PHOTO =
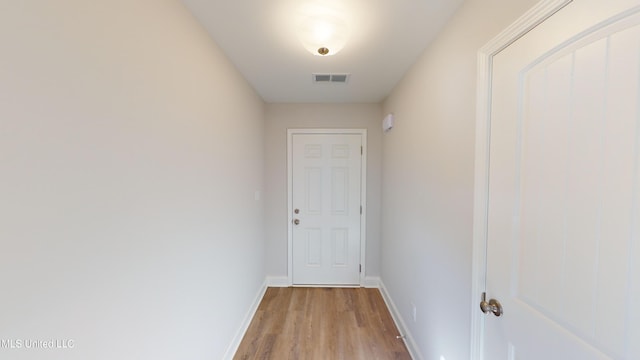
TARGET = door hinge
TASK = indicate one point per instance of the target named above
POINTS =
(361, 150)
(360, 209)
(360, 269)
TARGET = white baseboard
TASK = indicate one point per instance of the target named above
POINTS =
(278, 281)
(371, 282)
(283, 281)
(235, 343)
(402, 326)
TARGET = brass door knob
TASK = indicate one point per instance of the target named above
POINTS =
(491, 306)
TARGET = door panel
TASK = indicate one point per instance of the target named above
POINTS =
(326, 181)
(564, 220)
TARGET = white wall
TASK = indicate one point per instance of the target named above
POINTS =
(280, 117)
(130, 151)
(428, 181)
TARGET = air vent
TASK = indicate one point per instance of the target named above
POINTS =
(331, 78)
(321, 78)
(339, 78)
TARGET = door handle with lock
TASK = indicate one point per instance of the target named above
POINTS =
(492, 305)
(296, 221)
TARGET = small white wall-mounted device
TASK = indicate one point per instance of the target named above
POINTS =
(388, 122)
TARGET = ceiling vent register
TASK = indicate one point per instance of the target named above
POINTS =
(331, 78)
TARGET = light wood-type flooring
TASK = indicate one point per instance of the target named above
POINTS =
(322, 324)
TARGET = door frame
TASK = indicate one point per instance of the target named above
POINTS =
(532, 18)
(363, 194)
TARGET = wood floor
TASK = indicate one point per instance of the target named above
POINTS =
(322, 324)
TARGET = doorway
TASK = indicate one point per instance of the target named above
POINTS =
(326, 206)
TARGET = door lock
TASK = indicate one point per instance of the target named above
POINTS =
(296, 222)
(492, 305)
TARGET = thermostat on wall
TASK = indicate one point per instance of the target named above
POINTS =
(387, 122)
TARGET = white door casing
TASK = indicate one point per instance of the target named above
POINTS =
(326, 192)
(558, 166)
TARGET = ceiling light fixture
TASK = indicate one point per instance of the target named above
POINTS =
(324, 34)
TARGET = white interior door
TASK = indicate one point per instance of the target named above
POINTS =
(326, 206)
(563, 254)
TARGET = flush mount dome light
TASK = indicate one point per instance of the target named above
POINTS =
(323, 35)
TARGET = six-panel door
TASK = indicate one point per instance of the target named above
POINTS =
(326, 199)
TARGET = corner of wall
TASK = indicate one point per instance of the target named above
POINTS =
(371, 282)
(277, 281)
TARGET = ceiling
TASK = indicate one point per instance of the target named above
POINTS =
(261, 38)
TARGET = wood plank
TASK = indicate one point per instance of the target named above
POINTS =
(322, 323)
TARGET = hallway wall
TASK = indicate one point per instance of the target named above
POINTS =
(428, 170)
(131, 150)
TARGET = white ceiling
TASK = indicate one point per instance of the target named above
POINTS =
(261, 39)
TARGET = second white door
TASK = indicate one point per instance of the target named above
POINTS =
(326, 205)
(564, 199)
